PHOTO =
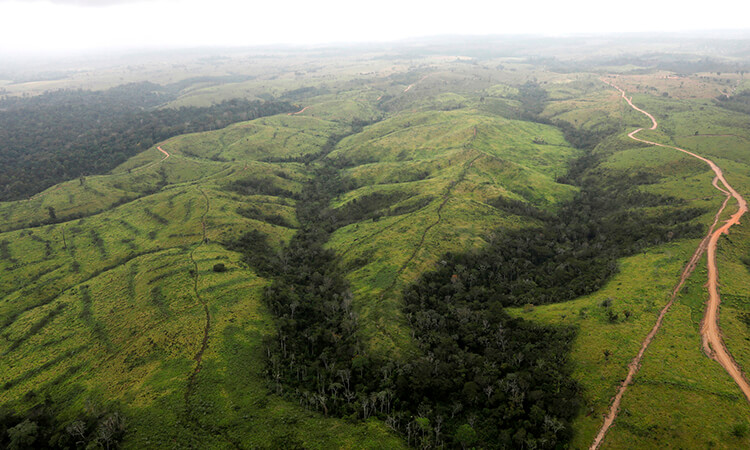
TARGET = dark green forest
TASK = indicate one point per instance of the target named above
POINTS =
(66, 134)
(478, 377)
(739, 102)
(97, 426)
(481, 378)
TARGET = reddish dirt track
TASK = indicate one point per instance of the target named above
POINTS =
(713, 344)
(166, 155)
(298, 112)
(412, 85)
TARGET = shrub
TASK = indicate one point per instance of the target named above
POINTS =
(740, 429)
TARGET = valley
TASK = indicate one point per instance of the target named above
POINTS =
(385, 249)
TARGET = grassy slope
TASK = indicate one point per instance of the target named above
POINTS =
(456, 161)
(121, 296)
(680, 398)
(113, 316)
(128, 312)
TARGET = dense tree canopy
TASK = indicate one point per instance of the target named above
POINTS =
(66, 134)
(481, 377)
(738, 102)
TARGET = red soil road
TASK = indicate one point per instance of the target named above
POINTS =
(298, 112)
(412, 85)
(713, 344)
(166, 155)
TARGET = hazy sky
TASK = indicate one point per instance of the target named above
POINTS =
(32, 26)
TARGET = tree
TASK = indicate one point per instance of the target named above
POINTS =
(110, 430)
(466, 436)
(23, 435)
(78, 431)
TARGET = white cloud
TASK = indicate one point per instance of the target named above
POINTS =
(73, 24)
(88, 3)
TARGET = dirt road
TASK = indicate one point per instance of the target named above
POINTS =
(298, 112)
(166, 155)
(713, 344)
(60, 185)
(412, 85)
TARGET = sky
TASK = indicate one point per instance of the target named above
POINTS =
(58, 26)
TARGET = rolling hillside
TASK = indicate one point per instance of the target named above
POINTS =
(421, 255)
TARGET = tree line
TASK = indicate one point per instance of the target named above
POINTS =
(318, 358)
(41, 427)
(66, 134)
(739, 102)
(480, 377)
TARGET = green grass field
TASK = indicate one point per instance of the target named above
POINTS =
(679, 398)
(108, 309)
(118, 303)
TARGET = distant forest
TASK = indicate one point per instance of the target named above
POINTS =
(739, 102)
(66, 134)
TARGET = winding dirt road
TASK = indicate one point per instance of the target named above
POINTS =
(713, 345)
(166, 155)
(298, 112)
(60, 185)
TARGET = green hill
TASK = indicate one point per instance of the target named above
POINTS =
(425, 255)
